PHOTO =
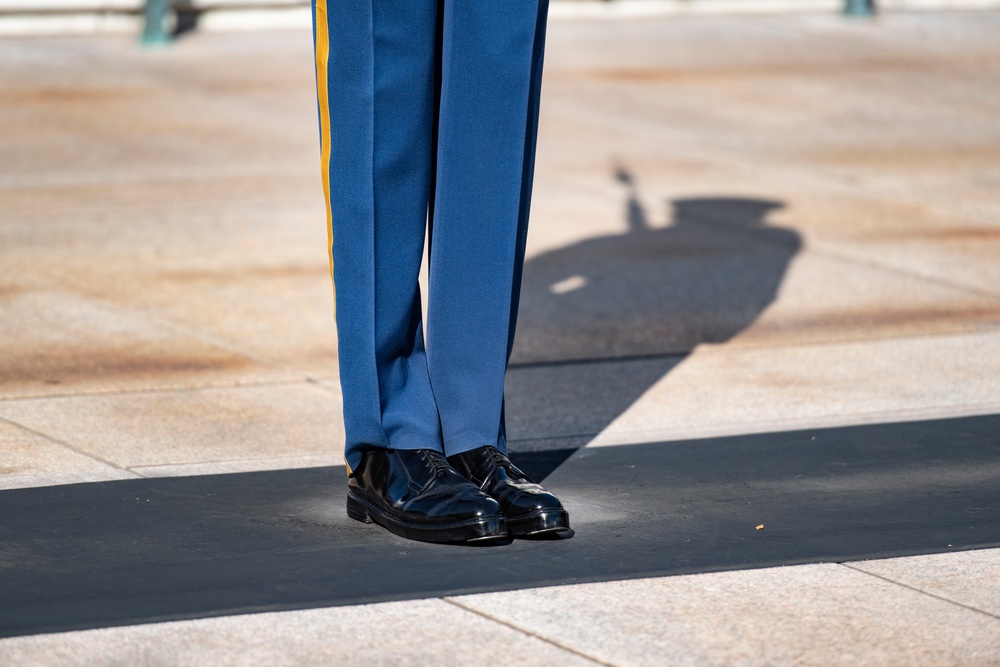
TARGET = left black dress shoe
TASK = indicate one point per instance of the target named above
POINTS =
(530, 509)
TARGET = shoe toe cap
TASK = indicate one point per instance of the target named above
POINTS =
(460, 507)
(524, 501)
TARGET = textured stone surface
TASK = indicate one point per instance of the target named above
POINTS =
(795, 215)
(814, 614)
(718, 390)
(670, 290)
(57, 342)
(561, 403)
(333, 456)
(210, 221)
(28, 459)
(796, 183)
(396, 633)
(238, 268)
(191, 426)
(803, 615)
(971, 578)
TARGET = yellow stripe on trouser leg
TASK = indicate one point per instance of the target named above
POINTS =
(323, 95)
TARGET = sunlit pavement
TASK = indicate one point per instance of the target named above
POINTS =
(741, 226)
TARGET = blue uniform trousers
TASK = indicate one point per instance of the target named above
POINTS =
(428, 115)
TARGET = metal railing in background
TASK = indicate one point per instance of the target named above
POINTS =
(155, 14)
(859, 8)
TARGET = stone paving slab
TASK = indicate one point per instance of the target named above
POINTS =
(803, 615)
(235, 273)
(683, 111)
(851, 221)
(829, 213)
(32, 460)
(806, 615)
(396, 633)
(57, 342)
(171, 428)
(235, 261)
(727, 389)
(231, 249)
(720, 390)
(128, 113)
(207, 220)
(970, 578)
(668, 290)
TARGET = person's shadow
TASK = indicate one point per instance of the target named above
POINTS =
(604, 319)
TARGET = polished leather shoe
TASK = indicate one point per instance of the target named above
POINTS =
(418, 495)
(529, 508)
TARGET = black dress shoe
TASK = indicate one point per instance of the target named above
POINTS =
(418, 495)
(529, 508)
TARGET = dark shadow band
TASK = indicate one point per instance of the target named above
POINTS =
(138, 551)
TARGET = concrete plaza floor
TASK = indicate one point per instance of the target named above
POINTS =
(740, 225)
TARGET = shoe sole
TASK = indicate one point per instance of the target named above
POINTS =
(471, 530)
(540, 522)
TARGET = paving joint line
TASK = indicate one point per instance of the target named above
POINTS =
(69, 446)
(528, 365)
(156, 390)
(528, 633)
(922, 592)
(589, 361)
(762, 427)
(864, 261)
(561, 436)
(734, 228)
(319, 382)
(727, 226)
(231, 461)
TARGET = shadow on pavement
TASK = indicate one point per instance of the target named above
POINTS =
(137, 551)
(604, 319)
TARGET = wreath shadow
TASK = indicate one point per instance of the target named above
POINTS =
(602, 320)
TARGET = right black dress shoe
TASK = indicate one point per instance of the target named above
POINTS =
(531, 511)
(416, 494)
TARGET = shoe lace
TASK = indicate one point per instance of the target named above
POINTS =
(501, 460)
(439, 463)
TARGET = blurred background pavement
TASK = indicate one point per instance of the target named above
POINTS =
(740, 225)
